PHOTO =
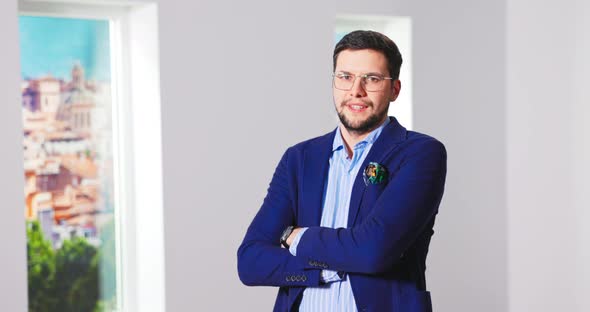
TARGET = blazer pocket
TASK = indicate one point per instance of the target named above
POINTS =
(416, 301)
(373, 191)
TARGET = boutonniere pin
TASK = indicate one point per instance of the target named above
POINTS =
(375, 173)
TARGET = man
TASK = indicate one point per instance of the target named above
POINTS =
(353, 209)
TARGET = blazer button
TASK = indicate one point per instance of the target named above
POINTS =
(298, 278)
(288, 278)
(304, 278)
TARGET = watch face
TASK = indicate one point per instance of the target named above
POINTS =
(285, 235)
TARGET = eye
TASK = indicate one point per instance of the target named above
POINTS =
(374, 79)
(346, 77)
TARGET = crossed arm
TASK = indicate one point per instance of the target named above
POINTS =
(261, 260)
(407, 204)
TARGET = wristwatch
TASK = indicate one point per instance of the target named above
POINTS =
(286, 233)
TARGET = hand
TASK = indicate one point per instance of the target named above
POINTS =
(292, 236)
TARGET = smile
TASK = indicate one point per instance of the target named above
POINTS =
(357, 108)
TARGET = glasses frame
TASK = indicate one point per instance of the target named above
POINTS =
(363, 82)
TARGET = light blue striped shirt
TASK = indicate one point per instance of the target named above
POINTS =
(336, 295)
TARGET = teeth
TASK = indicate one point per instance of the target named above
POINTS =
(357, 106)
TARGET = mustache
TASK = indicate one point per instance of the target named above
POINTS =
(346, 102)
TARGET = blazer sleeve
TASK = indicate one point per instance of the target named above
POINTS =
(261, 260)
(400, 214)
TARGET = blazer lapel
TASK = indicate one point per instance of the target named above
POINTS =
(390, 137)
(315, 173)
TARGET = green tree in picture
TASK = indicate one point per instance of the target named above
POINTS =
(41, 267)
(83, 295)
(77, 277)
(76, 280)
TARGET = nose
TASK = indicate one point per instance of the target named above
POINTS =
(358, 89)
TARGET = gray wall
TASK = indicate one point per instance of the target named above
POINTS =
(548, 152)
(459, 48)
(13, 288)
(236, 67)
(269, 64)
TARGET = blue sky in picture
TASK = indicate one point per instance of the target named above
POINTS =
(50, 45)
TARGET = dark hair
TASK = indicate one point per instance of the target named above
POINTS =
(368, 39)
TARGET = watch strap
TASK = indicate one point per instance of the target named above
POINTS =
(286, 233)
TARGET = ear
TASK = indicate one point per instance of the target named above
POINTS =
(395, 88)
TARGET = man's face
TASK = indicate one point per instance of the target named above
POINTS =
(361, 111)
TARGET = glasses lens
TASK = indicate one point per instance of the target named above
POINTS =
(343, 81)
(373, 83)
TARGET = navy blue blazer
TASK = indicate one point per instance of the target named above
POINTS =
(384, 247)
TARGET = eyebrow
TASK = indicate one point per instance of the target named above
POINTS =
(368, 74)
(374, 74)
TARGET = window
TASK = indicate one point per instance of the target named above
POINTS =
(71, 238)
(88, 156)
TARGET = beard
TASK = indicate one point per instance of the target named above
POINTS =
(363, 126)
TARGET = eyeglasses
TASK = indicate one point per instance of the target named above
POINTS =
(371, 82)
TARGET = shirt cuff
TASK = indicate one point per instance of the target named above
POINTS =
(293, 246)
(328, 276)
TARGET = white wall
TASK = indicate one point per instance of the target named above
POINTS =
(548, 154)
(13, 288)
(582, 128)
(241, 81)
(458, 68)
(478, 86)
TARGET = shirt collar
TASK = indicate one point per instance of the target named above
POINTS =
(371, 138)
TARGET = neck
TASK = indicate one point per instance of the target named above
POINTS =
(351, 137)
